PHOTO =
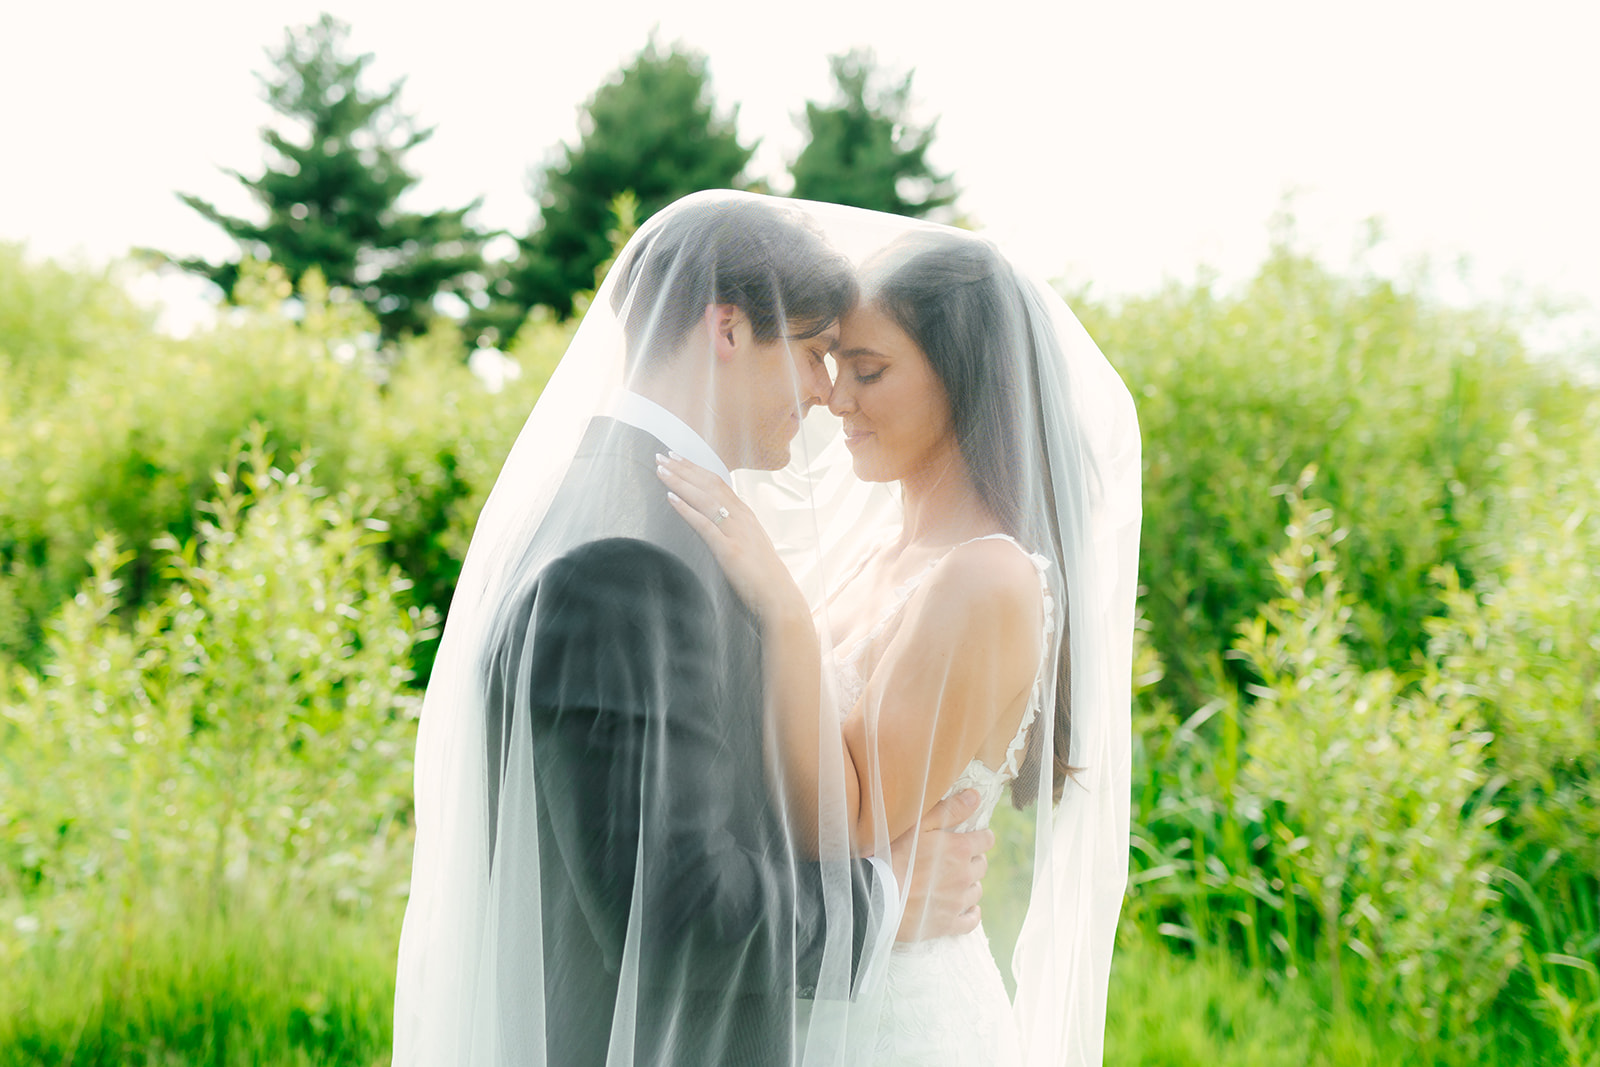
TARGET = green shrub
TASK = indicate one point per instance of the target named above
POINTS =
(431, 446)
(124, 435)
(53, 318)
(1399, 401)
(1524, 649)
(1369, 786)
(127, 440)
(253, 727)
(1363, 823)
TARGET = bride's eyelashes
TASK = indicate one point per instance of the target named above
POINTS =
(868, 379)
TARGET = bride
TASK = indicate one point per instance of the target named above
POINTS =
(981, 639)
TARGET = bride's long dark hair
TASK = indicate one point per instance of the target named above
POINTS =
(963, 305)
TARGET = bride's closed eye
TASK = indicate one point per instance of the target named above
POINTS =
(868, 378)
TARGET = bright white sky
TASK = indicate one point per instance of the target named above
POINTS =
(1116, 143)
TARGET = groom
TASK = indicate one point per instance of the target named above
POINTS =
(678, 923)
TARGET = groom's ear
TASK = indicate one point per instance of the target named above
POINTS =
(727, 326)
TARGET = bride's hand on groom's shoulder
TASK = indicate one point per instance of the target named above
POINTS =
(736, 538)
(946, 882)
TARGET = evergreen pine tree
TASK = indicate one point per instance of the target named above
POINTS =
(863, 149)
(332, 194)
(653, 131)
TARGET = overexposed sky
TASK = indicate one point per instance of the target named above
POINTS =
(1115, 143)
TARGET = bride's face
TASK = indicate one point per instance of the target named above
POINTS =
(895, 410)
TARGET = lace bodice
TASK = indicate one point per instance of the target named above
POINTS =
(850, 672)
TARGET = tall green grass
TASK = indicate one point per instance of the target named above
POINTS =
(264, 985)
(251, 983)
(1168, 1010)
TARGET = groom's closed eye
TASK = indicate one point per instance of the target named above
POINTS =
(823, 346)
(822, 355)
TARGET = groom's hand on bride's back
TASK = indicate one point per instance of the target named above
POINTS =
(946, 883)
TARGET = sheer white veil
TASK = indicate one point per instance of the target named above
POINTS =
(603, 872)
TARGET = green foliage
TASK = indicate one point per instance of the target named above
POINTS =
(250, 727)
(1370, 786)
(1365, 818)
(863, 149)
(652, 130)
(124, 437)
(309, 986)
(1399, 401)
(1525, 643)
(52, 316)
(1524, 648)
(264, 984)
(1172, 1011)
(1362, 823)
(331, 197)
(429, 445)
(124, 440)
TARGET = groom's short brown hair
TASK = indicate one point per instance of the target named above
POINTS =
(767, 260)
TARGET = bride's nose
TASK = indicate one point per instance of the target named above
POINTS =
(841, 401)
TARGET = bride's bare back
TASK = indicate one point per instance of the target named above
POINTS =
(937, 650)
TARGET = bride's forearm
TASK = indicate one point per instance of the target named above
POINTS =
(793, 657)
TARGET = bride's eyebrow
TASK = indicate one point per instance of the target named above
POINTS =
(858, 353)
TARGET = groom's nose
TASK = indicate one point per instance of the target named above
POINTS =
(815, 384)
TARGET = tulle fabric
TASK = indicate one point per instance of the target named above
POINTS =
(608, 866)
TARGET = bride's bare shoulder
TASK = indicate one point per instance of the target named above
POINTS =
(991, 580)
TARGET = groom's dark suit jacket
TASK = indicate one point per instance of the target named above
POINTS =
(645, 689)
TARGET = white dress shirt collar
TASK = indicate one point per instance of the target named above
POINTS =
(645, 414)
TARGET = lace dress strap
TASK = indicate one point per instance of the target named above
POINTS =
(1019, 741)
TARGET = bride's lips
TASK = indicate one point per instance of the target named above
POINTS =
(855, 437)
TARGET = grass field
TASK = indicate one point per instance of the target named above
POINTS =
(273, 988)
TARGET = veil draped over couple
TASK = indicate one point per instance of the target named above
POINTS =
(819, 546)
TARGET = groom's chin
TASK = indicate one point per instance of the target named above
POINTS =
(774, 457)
(776, 451)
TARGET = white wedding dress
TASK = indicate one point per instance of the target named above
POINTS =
(945, 1003)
